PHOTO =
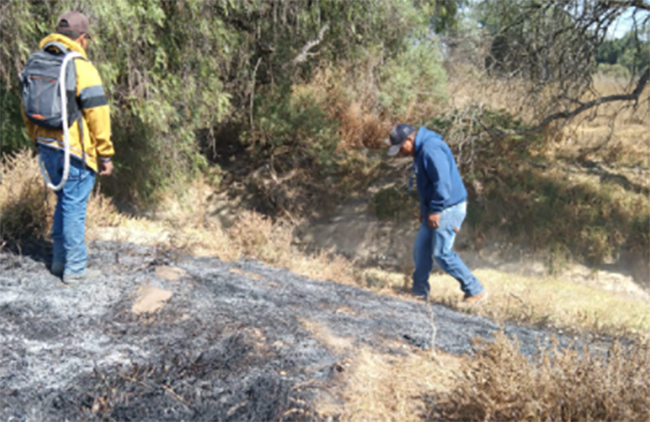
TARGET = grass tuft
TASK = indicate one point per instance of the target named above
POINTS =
(25, 203)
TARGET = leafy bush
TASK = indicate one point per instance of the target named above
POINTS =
(297, 123)
(413, 83)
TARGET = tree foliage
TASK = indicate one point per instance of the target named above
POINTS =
(631, 51)
(175, 68)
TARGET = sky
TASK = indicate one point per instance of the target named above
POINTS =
(622, 25)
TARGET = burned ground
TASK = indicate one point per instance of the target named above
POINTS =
(235, 341)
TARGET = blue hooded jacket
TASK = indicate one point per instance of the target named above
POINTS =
(438, 179)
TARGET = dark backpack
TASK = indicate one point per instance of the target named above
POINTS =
(39, 86)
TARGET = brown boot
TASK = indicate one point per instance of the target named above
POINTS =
(470, 301)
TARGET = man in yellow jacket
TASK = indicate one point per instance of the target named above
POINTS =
(91, 151)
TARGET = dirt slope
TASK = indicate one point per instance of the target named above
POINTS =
(234, 341)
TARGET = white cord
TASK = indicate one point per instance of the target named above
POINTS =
(66, 133)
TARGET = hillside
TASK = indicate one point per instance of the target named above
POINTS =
(232, 340)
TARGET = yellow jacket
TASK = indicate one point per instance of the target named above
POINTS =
(96, 117)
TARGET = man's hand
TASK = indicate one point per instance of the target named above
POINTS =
(107, 168)
(433, 221)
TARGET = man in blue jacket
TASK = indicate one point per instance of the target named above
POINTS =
(443, 208)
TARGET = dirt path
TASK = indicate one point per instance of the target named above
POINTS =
(229, 341)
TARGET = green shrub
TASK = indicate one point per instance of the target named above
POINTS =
(413, 83)
(296, 124)
(393, 203)
(614, 71)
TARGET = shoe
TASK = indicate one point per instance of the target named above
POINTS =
(57, 271)
(470, 301)
(87, 275)
(424, 297)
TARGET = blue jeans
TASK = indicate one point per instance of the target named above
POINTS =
(430, 244)
(69, 255)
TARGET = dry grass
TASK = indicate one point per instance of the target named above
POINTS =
(614, 133)
(351, 102)
(189, 228)
(500, 384)
(545, 302)
(583, 190)
(549, 301)
(257, 237)
(386, 387)
(594, 217)
(27, 205)
(27, 208)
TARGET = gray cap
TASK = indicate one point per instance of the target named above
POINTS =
(397, 137)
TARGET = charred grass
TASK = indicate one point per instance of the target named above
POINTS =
(498, 383)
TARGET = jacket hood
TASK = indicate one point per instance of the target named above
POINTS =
(419, 139)
(67, 42)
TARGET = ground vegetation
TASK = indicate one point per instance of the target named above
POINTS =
(287, 101)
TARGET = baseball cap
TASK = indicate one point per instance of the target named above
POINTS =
(73, 21)
(397, 136)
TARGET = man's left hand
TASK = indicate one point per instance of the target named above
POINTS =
(106, 168)
(433, 221)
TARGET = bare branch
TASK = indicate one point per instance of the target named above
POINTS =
(639, 4)
(304, 53)
(633, 96)
(252, 102)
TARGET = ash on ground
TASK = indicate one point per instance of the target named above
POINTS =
(235, 341)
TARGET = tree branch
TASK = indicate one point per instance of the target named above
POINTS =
(633, 96)
(639, 4)
(304, 53)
